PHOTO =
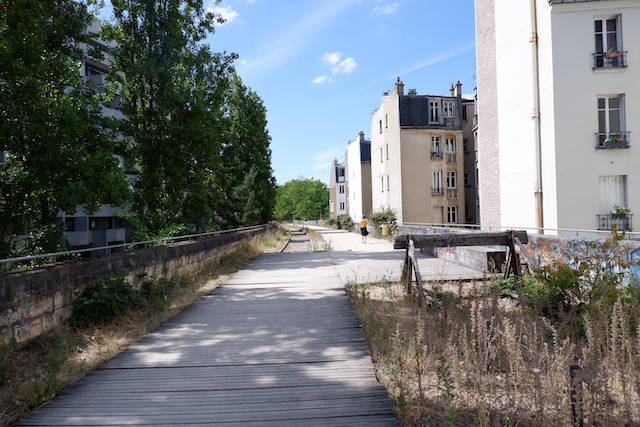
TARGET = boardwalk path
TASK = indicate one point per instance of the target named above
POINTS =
(277, 344)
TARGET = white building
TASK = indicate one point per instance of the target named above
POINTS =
(558, 108)
(358, 177)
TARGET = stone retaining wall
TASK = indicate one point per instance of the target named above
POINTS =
(35, 300)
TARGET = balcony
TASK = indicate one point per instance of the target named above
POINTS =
(452, 158)
(452, 193)
(436, 155)
(621, 221)
(614, 59)
(607, 140)
(438, 191)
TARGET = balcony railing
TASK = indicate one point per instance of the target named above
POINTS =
(606, 140)
(452, 158)
(438, 191)
(452, 193)
(615, 59)
(436, 154)
(620, 221)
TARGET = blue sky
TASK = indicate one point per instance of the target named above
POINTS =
(321, 66)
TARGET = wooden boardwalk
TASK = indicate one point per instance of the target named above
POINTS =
(278, 344)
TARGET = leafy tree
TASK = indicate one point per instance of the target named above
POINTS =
(59, 156)
(173, 89)
(247, 179)
(302, 198)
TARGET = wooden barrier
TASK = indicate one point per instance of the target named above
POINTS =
(409, 242)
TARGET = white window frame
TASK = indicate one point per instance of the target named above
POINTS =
(450, 144)
(434, 111)
(436, 147)
(437, 182)
(607, 125)
(447, 108)
(452, 214)
(452, 179)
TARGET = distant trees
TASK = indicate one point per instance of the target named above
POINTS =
(58, 156)
(302, 198)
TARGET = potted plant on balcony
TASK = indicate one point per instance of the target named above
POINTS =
(619, 212)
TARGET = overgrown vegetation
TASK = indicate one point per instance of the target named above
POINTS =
(31, 375)
(500, 353)
(384, 216)
(344, 222)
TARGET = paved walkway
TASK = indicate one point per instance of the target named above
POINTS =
(277, 344)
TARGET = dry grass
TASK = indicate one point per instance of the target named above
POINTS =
(483, 360)
(32, 375)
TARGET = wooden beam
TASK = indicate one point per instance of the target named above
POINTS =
(446, 240)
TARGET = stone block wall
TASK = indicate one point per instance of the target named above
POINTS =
(36, 300)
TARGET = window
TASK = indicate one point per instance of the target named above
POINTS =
(341, 206)
(386, 121)
(447, 107)
(450, 145)
(386, 149)
(382, 183)
(452, 214)
(387, 182)
(436, 150)
(434, 111)
(465, 145)
(436, 189)
(451, 179)
(464, 112)
(381, 155)
(467, 212)
(466, 179)
(611, 123)
(341, 189)
(613, 192)
(608, 43)
(380, 126)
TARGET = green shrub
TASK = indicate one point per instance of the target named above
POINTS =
(331, 222)
(104, 299)
(384, 216)
(344, 222)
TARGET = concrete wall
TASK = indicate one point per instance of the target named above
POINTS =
(36, 300)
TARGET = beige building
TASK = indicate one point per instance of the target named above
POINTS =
(337, 190)
(417, 156)
(558, 108)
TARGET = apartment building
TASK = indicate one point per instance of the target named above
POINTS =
(417, 156)
(337, 190)
(558, 108)
(358, 177)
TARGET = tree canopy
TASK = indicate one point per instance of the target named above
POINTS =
(302, 198)
(57, 155)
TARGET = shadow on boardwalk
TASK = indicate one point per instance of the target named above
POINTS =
(277, 344)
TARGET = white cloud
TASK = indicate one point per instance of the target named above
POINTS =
(292, 40)
(322, 79)
(331, 58)
(227, 13)
(346, 66)
(386, 10)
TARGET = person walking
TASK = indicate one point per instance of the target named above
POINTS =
(363, 228)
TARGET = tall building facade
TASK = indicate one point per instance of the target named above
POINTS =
(558, 105)
(417, 156)
(358, 177)
(337, 190)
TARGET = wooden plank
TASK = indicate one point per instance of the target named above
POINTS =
(446, 240)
